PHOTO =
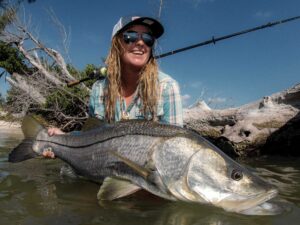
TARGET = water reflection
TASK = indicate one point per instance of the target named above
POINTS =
(33, 192)
(284, 173)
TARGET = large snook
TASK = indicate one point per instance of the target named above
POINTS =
(168, 161)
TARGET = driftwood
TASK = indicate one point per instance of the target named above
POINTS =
(268, 126)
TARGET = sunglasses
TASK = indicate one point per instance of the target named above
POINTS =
(133, 36)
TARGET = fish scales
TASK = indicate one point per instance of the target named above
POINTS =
(138, 127)
(171, 162)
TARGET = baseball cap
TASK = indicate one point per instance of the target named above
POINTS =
(124, 22)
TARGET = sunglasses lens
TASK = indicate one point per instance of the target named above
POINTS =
(148, 39)
(132, 36)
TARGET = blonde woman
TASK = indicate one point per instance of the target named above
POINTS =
(134, 87)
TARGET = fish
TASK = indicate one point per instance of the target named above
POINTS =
(168, 161)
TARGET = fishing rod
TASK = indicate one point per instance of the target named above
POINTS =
(101, 73)
(214, 40)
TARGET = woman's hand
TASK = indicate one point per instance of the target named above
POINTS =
(48, 153)
(55, 131)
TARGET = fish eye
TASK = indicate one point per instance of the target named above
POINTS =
(236, 175)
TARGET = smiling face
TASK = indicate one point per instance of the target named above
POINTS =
(136, 54)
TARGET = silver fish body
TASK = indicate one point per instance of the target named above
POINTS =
(168, 161)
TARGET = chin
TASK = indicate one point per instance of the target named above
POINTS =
(139, 65)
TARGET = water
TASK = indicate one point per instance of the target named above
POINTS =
(33, 192)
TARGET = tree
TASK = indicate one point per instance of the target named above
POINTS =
(38, 76)
(12, 60)
(2, 101)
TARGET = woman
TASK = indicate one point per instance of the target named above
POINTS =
(134, 87)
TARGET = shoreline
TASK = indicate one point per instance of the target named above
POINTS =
(10, 126)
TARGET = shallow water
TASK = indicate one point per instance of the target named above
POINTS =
(33, 192)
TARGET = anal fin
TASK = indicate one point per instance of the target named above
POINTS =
(113, 188)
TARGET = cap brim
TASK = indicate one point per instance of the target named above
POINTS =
(156, 27)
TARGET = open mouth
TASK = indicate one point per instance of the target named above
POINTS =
(137, 52)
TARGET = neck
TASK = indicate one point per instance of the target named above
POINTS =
(130, 79)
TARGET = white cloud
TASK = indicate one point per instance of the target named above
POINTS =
(196, 85)
(216, 100)
(185, 98)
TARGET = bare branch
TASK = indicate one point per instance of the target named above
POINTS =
(21, 83)
(43, 84)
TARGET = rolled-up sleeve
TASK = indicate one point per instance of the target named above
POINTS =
(96, 103)
(171, 103)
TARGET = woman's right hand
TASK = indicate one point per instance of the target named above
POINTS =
(54, 131)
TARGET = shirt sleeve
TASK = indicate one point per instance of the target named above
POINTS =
(96, 103)
(92, 102)
(171, 102)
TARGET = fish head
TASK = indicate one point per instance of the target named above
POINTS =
(213, 176)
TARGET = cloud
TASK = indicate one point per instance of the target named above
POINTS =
(216, 100)
(196, 85)
(262, 14)
(185, 98)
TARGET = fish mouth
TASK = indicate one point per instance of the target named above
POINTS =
(250, 202)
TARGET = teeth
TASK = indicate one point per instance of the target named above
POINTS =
(138, 52)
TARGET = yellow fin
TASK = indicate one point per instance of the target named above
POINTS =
(113, 188)
(137, 168)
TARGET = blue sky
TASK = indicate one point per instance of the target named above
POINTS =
(231, 73)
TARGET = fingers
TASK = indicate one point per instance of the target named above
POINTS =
(54, 131)
(48, 153)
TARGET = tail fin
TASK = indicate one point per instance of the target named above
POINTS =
(23, 151)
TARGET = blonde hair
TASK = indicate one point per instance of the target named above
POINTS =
(147, 84)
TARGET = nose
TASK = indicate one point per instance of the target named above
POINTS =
(140, 42)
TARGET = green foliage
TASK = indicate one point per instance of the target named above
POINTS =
(87, 71)
(64, 104)
(2, 101)
(6, 17)
(69, 101)
(8, 10)
(12, 60)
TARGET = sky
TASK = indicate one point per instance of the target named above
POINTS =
(230, 73)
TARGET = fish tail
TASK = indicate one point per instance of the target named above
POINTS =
(24, 151)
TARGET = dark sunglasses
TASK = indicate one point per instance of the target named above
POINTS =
(133, 36)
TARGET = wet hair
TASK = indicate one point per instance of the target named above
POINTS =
(147, 84)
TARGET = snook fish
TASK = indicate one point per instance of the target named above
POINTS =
(168, 161)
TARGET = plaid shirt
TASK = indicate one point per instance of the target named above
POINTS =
(169, 108)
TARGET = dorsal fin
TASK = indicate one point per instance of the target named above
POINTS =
(92, 123)
(31, 127)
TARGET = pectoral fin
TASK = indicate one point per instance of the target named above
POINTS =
(113, 188)
(137, 168)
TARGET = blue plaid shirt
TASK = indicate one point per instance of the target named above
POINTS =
(169, 108)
